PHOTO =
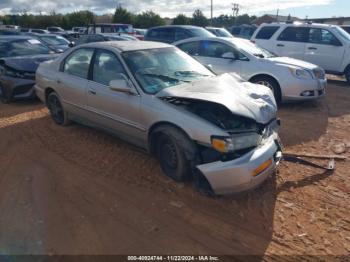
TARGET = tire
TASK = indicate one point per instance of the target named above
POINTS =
(59, 116)
(4, 97)
(270, 83)
(175, 153)
(347, 74)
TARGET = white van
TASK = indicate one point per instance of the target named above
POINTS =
(327, 46)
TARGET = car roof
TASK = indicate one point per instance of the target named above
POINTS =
(177, 26)
(297, 23)
(234, 40)
(123, 46)
(15, 37)
(210, 27)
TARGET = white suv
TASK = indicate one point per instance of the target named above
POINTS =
(327, 46)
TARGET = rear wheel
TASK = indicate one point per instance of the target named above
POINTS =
(56, 110)
(270, 83)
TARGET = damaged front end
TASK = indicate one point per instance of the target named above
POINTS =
(244, 134)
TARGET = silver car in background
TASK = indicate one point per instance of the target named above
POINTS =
(217, 130)
(290, 79)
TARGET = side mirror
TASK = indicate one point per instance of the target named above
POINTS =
(229, 55)
(209, 67)
(121, 84)
(71, 44)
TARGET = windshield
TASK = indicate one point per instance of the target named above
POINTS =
(222, 32)
(253, 49)
(22, 47)
(54, 40)
(156, 69)
(200, 32)
(342, 33)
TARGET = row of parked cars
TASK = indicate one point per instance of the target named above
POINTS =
(205, 106)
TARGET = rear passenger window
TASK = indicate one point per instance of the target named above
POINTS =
(294, 34)
(267, 32)
(191, 48)
(322, 36)
(107, 67)
(78, 63)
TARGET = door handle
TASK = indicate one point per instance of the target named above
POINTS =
(58, 81)
(92, 92)
(280, 45)
(312, 48)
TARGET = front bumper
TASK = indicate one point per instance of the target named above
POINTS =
(236, 176)
(298, 89)
(17, 88)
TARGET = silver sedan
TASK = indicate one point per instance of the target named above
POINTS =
(216, 130)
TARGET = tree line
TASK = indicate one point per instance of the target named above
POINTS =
(145, 19)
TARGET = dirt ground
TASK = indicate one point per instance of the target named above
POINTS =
(76, 190)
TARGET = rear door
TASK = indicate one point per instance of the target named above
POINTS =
(116, 110)
(264, 36)
(324, 49)
(72, 80)
(291, 42)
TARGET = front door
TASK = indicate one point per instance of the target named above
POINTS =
(113, 109)
(212, 52)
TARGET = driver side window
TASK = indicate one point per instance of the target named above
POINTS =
(215, 49)
(107, 67)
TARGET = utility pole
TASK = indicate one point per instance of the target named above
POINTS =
(211, 12)
(278, 10)
(235, 9)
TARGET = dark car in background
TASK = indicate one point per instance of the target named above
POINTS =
(20, 57)
(219, 31)
(243, 31)
(8, 32)
(57, 43)
(172, 33)
(346, 28)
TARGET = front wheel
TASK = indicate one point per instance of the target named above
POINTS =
(271, 84)
(170, 151)
(3, 96)
(347, 75)
(56, 110)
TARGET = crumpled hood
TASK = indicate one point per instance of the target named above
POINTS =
(27, 63)
(287, 61)
(241, 98)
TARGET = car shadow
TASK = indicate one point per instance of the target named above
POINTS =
(19, 107)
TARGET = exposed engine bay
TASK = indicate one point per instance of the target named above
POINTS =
(216, 114)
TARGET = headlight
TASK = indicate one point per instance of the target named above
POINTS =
(301, 73)
(235, 142)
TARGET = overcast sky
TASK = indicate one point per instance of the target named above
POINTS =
(170, 8)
